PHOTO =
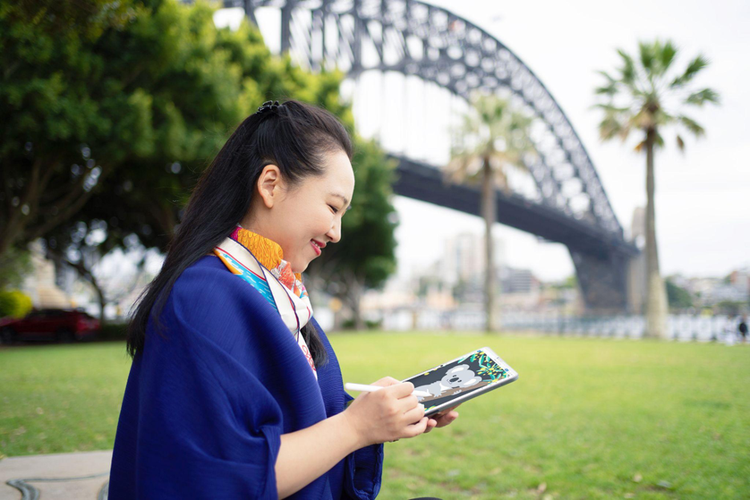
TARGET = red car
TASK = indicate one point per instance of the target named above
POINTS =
(49, 324)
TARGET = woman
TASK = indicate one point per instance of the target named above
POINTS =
(234, 391)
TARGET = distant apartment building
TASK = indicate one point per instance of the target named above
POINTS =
(41, 284)
(724, 292)
(740, 279)
(463, 259)
(709, 291)
(519, 281)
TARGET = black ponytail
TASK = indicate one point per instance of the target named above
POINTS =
(295, 136)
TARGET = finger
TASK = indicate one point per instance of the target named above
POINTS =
(447, 419)
(450, 416)
(431, 423)
(439, 419)
(408, 402)
(418, 428)
(401, 390)
(387, 381)
(445, 412)
(415, 414)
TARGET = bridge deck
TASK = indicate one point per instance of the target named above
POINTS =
(425, 183)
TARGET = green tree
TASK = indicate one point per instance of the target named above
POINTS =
(14, 265)
(365, 256)
(216, 78)
(678, 297)
(206, 80)
(569, 283)
(493, 139)
(69, 126)
(159, 89)
(96, 89)
(647, 95)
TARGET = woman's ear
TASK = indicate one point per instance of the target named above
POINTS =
(269, 184)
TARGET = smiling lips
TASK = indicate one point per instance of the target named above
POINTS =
(317, 246)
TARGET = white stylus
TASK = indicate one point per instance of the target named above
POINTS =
(372, 388)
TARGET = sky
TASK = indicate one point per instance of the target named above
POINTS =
(702, 214)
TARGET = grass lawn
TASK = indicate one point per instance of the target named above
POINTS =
(60, 398)
(588, 418)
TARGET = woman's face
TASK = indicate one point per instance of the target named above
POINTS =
(306, 217)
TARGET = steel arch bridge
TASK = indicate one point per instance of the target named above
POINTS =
(414, 38)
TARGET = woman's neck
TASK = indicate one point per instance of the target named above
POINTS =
(268, 252)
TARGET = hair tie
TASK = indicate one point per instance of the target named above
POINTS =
(268, 106)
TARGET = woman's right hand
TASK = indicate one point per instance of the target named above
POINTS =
(388, 414)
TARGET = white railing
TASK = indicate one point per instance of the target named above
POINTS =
(679, 327)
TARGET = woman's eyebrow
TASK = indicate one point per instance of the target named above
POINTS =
(344, 198)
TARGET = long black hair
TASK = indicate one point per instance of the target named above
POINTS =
(295, 136)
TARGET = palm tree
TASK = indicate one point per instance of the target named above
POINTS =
(647, 96)
(494, 137)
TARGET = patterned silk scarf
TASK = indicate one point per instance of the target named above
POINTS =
(259, 261)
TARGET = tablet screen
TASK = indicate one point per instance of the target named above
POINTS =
(459, 377)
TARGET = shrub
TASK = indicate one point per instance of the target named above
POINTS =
(370, 325)
(14, 303)
(113, 331)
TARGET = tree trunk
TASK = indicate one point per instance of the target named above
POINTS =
(7, 237)
(87, 274)
(353, 297)
(656, 296)
(359, 322)
(102, 301)
(356, 296)
(488, 213)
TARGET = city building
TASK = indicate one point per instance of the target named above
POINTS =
(41, 283)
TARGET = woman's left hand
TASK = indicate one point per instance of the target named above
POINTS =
(442, 419)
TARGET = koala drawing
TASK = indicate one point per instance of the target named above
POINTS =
(455, 380)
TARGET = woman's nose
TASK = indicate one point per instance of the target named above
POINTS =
(335, 232)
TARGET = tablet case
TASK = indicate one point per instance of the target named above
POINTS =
(461, 379)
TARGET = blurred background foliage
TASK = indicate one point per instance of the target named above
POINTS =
(117, 109)
(14, 303)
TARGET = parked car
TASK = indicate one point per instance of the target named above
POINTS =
(49, 324)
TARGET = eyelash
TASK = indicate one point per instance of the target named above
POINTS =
(335, 210)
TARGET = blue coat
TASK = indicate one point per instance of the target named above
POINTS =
(207, 401)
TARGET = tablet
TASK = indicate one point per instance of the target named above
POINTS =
(461, 379)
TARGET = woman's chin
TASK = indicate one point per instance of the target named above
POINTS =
(299, 269)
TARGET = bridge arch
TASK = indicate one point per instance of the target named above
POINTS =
(414, 38)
